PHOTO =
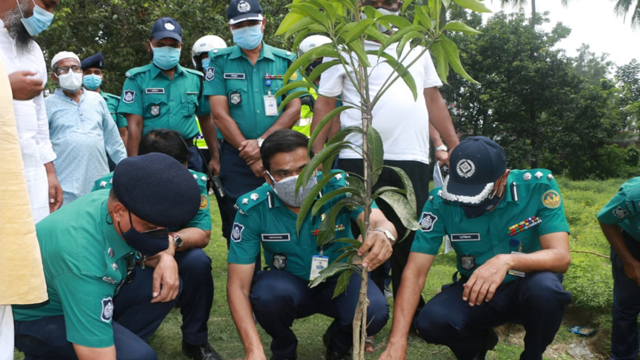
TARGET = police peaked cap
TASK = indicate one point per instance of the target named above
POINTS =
(157, 188)
(93, 61)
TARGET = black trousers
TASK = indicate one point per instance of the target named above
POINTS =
(420, 174)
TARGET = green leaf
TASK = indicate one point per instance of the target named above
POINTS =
(321, 68)
(358, 30)
(399, 34)
(473, 5)
(301, 24)
(407, 39)
(293, 85)
(347, 252)
(405, 211)
(406, 4)
(328, 152)
(312, 12)
(357, 47)
(403, 72)
(440, 61)
(341, 285)
(354, 242)
(375, 153)
(324, 122)
(423, 18)
(388, 188)
(293, 95)
(300, 36)
(374, 34)
(307, 58)
(308, 201)
(328, 197)
(331, 270)
(292, 18)
(453, 55)
(461, 27)
(327, 230)
(399, 21)
(329, 10)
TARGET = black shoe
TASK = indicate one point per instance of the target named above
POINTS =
(201, 352)
(490, 342)
(332, 354)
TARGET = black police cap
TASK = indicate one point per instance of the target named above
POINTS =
(244, 10)
(93, 61)
(157, 188)
(166, 27)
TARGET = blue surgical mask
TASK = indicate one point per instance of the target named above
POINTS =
(148, 243)
(38, 22)
(248, 37)
(92, 81)
(205, 63)
(166, 57)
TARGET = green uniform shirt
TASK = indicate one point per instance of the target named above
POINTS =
(84, 261)
(623, 209)
(479, 239)
(112, 103)
(263, 218)
(231, 74)
(202, 220)
(162, 102)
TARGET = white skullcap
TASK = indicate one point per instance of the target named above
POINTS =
(64, 55)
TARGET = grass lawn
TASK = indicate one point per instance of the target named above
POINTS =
(589, 279)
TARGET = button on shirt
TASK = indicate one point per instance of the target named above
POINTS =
(623, 209)
(485, 236)
(80, 134)
(82, 277)
(163, 102)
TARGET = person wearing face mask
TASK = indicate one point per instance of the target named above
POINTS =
(511, 238)
(92, 78)
(268, 216)
(81, 129)
(241, 83)
(165, 95)
(89, 250)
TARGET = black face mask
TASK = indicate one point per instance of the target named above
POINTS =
(313, 65)
(473, 211)
(148, 243)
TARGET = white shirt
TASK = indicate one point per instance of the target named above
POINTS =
(403, 123)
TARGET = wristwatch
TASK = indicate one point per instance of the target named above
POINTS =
(260, 141)
(386, 233)
(177, 240)
(442, 147)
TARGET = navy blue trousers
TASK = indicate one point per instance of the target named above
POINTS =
(135, 319)
(536, 301)
(279, 297)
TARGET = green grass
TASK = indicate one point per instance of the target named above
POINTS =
(589, 279)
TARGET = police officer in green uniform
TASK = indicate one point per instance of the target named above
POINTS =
(620, 223)
(268, 216)
(89, 250)
(164, 94)
(241, 83)
(92, 78)
(189, 239)
(511, 239)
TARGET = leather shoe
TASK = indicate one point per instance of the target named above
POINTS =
(490, 342)
(332, 354)
(201, 352)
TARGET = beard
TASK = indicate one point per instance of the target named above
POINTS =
(16, 29)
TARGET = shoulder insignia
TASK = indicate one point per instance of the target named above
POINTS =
(137, 70)
(107, 309)
(236, 232)
(192, 71)
(219, 52)
(551, 199)
(249, 200)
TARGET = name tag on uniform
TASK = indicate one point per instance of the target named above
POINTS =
(318, 263)
(465, 237)
(270, 105)
(154, 90)
(276, 237)
(233, 76)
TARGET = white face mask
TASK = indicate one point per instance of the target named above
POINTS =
(70, 81)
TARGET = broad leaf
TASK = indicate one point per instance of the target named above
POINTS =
(461, 27)
(324, 122)
(388, 188)
(474, 5)
(343, 282)
(331, 270)
(312, 12)
(308, 201)
(408, 185)
(293, 95)
(403, 73)
(354, 242)
(453, 55)
(301, 24)
(440, 61)
(289, 20)
(328, 152)
(321, 68)
(326, 232)
(399, 21)
(328, 197)
(375, 153)
(423, 18)
(293, 85)
(358, 30)
(406, 213)
(307, 58)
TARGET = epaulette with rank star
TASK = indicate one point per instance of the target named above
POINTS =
(253, 198)
(138, 70)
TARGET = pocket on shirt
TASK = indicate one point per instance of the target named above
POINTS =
(155, 106)
(189, 102)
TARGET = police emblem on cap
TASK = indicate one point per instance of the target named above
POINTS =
(235, 98)
(107, 309)
(155, 110)
(129, 96)
(169, 26)
(280, 261)
(236, 233)
(466, 168)
(243, 6)
(467, 262)
(427, 220)
(620, 212)
(211, 72)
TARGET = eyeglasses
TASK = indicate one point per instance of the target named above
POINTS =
(65, 70)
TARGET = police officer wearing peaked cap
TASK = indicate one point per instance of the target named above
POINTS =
(164, 94)
(241, 83)
(88, 249)
(511, 239)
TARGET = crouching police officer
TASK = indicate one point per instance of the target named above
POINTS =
(89, 250)
(267, 216)
(511, 239)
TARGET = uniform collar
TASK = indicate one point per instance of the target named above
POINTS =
(265, 52)
(156, 71)
(114, 241)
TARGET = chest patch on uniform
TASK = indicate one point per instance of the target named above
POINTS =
(236, 233)
(276, 237)
(109, 280)
(107, 309)
(235, 98)
(620, 212)
(467, 262)
(203, 202)
(129, 96)
(155, 110)
(154, 90)
(234, 76)
(465, 237)
(551, 199)
(211, 73)
(427, 220)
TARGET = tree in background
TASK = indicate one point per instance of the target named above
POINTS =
(622, 7)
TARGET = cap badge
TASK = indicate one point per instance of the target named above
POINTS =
(466, 168)
(243, 6)
(169, 26)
